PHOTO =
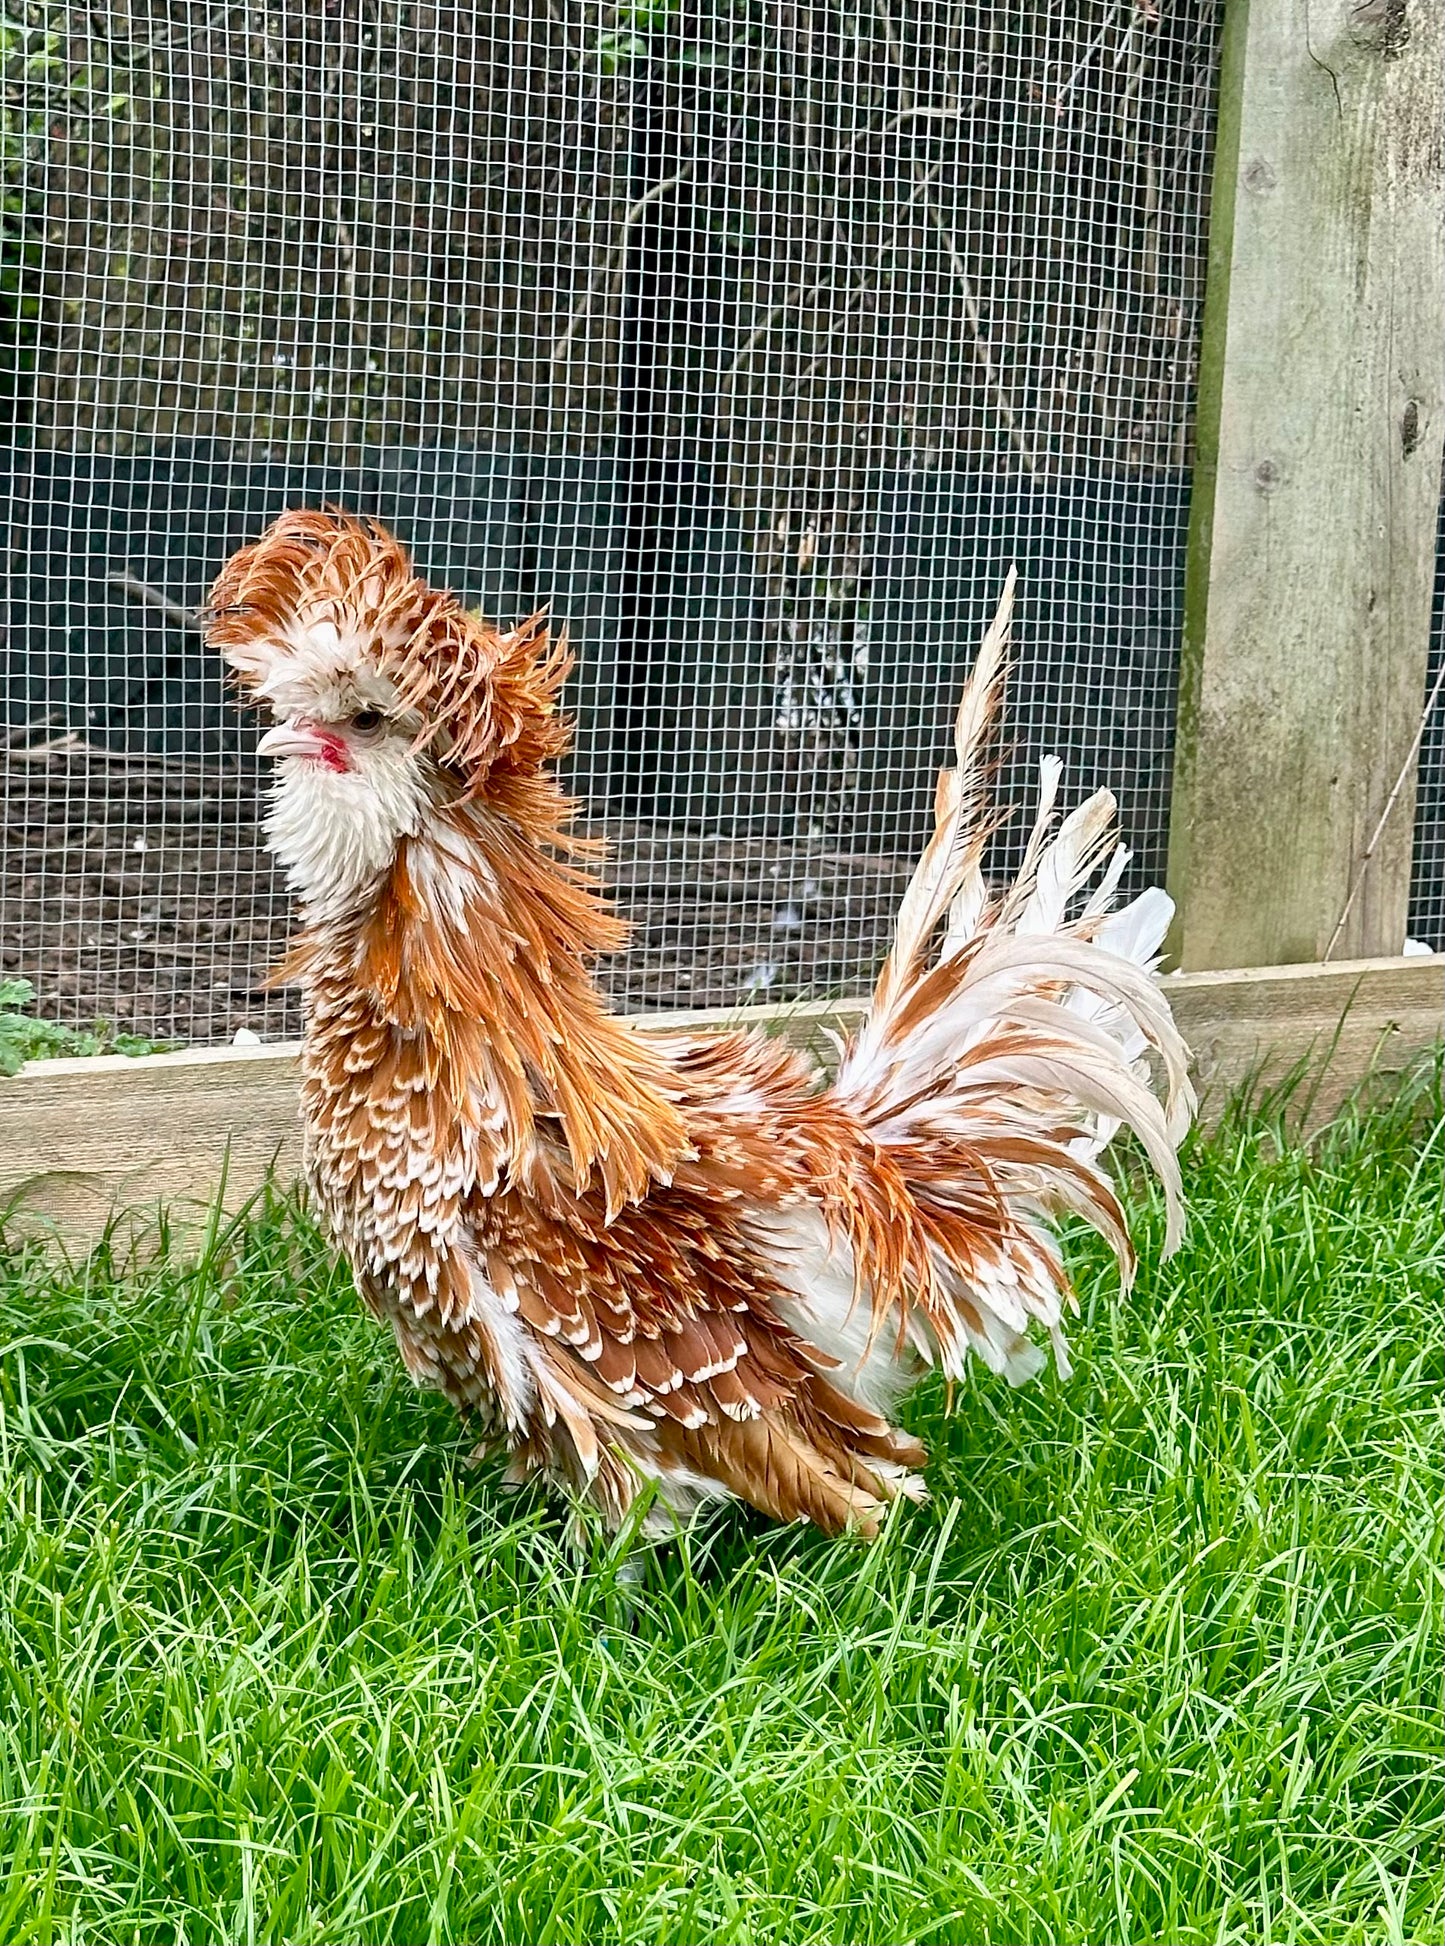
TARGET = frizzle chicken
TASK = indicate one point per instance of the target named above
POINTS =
(693, 1263)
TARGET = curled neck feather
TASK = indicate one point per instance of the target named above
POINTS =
(474, 947)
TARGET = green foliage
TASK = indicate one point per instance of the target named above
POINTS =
(1159, 1662)
(41, 91)
(659, 35)
(628, 38)
(24, 1038)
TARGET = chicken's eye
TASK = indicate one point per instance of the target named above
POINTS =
(367, 721)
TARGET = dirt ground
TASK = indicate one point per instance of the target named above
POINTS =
(136, 891)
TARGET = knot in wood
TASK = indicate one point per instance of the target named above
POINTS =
(1383, 26)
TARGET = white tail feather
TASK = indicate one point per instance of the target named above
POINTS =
(1023, 1044)
(1137, 931)
(952, 861)
(1066, 865)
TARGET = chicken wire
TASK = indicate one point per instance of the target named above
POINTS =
(757, 338)
(1427, 885)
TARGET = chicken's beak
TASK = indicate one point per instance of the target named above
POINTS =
(293, 740)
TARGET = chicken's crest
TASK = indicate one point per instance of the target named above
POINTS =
(391, 700)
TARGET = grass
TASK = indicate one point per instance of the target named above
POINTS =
(1160, 1662)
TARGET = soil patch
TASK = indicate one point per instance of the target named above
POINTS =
(136, 890)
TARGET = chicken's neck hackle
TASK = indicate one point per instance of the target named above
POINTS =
(472, 951)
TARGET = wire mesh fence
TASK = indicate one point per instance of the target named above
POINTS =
(1427, 883)
(757, 338)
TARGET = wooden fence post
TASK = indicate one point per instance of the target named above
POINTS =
(1317, 480)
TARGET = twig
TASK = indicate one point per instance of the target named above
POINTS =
(631, 217)
(982, 350)
(70, 744)
(907, 114)
(346, 250)
(1411, 756)
(144, 766)
(790, 302)
(173, 611)
(1085, 60)
(186, 35)
(800, 294)
(14, 737)
(840, 323)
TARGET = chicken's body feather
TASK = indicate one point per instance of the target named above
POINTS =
(694, 1263)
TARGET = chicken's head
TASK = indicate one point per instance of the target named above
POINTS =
(392, 703)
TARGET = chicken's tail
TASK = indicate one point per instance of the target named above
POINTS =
(995, 1070)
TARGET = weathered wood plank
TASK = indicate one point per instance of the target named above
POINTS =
(1337, 1023)
(81, 1139)
(1312, 544)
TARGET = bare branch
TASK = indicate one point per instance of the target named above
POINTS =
(802, 294)
(142, 591)
(982, 349)
(631, 217)
(1085, 60)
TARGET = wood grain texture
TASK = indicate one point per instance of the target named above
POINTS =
(1336, 1024)
(1312, 543)
(81, 1140)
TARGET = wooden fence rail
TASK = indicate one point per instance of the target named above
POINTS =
(82, 1139)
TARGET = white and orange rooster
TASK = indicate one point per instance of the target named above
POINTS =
(693, 1265)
